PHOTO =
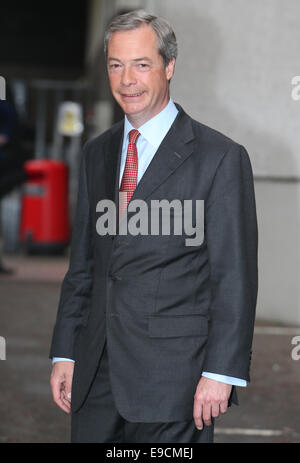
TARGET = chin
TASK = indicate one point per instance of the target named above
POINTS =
(131, 109)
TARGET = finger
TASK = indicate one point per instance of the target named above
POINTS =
(67, 389)
(215, 409)
(63, 404)
(224, 406)
(66, 397)
(198, 414)
(206, 413)
(66, 403)
(56, 387)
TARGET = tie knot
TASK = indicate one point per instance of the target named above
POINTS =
(133, 136)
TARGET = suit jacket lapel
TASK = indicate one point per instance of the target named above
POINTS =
(172, 152)
(112, 162)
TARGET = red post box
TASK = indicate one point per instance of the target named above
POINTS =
(45, 223)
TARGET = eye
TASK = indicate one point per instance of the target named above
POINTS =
(143, 66)
(114, 66)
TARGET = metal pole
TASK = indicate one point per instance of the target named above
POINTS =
(57, 144)
(40, 124)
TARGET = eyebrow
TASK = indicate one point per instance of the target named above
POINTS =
(144, 58)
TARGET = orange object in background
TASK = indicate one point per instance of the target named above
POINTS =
(45, 223)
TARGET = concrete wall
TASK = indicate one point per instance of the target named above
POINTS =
(234, 69)
(279, 253)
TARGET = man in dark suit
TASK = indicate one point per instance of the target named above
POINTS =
(152, 335)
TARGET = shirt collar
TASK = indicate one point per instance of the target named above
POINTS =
(155, 130)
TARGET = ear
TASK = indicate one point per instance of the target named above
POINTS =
(170, 69)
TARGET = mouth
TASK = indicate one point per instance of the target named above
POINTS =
(132, 95)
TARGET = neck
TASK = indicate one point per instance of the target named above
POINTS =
(137, 120)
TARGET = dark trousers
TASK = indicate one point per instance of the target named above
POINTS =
(99, 421)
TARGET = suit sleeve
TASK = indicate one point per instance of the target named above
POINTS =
(231, 235)
(76, 287)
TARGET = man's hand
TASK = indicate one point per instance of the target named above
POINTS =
(61, 384)
(210, 399)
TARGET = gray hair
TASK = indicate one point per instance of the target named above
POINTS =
(167, 45)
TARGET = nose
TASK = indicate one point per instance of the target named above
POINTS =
(128, 77)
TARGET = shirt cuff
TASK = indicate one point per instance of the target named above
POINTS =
(226, 379)
(61, 359)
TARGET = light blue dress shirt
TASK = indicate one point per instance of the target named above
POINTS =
(152, 134)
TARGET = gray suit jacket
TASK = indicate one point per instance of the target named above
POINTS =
(168, 311)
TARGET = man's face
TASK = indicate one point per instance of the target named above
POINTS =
(138, 78)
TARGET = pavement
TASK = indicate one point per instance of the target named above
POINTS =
(269, 410)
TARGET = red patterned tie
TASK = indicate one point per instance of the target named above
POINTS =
(129, 179)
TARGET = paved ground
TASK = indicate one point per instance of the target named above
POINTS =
(269, 408)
